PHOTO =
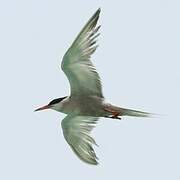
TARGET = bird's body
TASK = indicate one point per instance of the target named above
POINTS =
(86, 102)
(85, 106)
(93, 106)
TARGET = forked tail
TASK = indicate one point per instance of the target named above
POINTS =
(130, 112)
(116, 112)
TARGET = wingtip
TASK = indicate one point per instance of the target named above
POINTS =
(94, 162)
(98, 11)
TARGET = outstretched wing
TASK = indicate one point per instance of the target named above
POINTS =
(76, 64)
(76, 130)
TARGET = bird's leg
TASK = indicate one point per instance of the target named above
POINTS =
(115, 114)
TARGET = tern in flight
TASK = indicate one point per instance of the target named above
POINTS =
(86, 103)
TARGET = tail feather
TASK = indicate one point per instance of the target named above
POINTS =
(130, 112)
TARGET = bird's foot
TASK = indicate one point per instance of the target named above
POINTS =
(115, 117)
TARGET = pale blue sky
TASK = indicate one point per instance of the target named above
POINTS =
(139, 63)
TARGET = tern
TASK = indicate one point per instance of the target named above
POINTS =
(86, 103)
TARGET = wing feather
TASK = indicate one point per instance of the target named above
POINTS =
(76, 64)
(76, 130)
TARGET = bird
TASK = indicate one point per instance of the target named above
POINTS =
(86, 103)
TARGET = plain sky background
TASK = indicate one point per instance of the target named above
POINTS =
(139, 63)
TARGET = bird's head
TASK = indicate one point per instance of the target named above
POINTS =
(54, 104)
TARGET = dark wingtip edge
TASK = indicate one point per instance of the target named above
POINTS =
(99, 10)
